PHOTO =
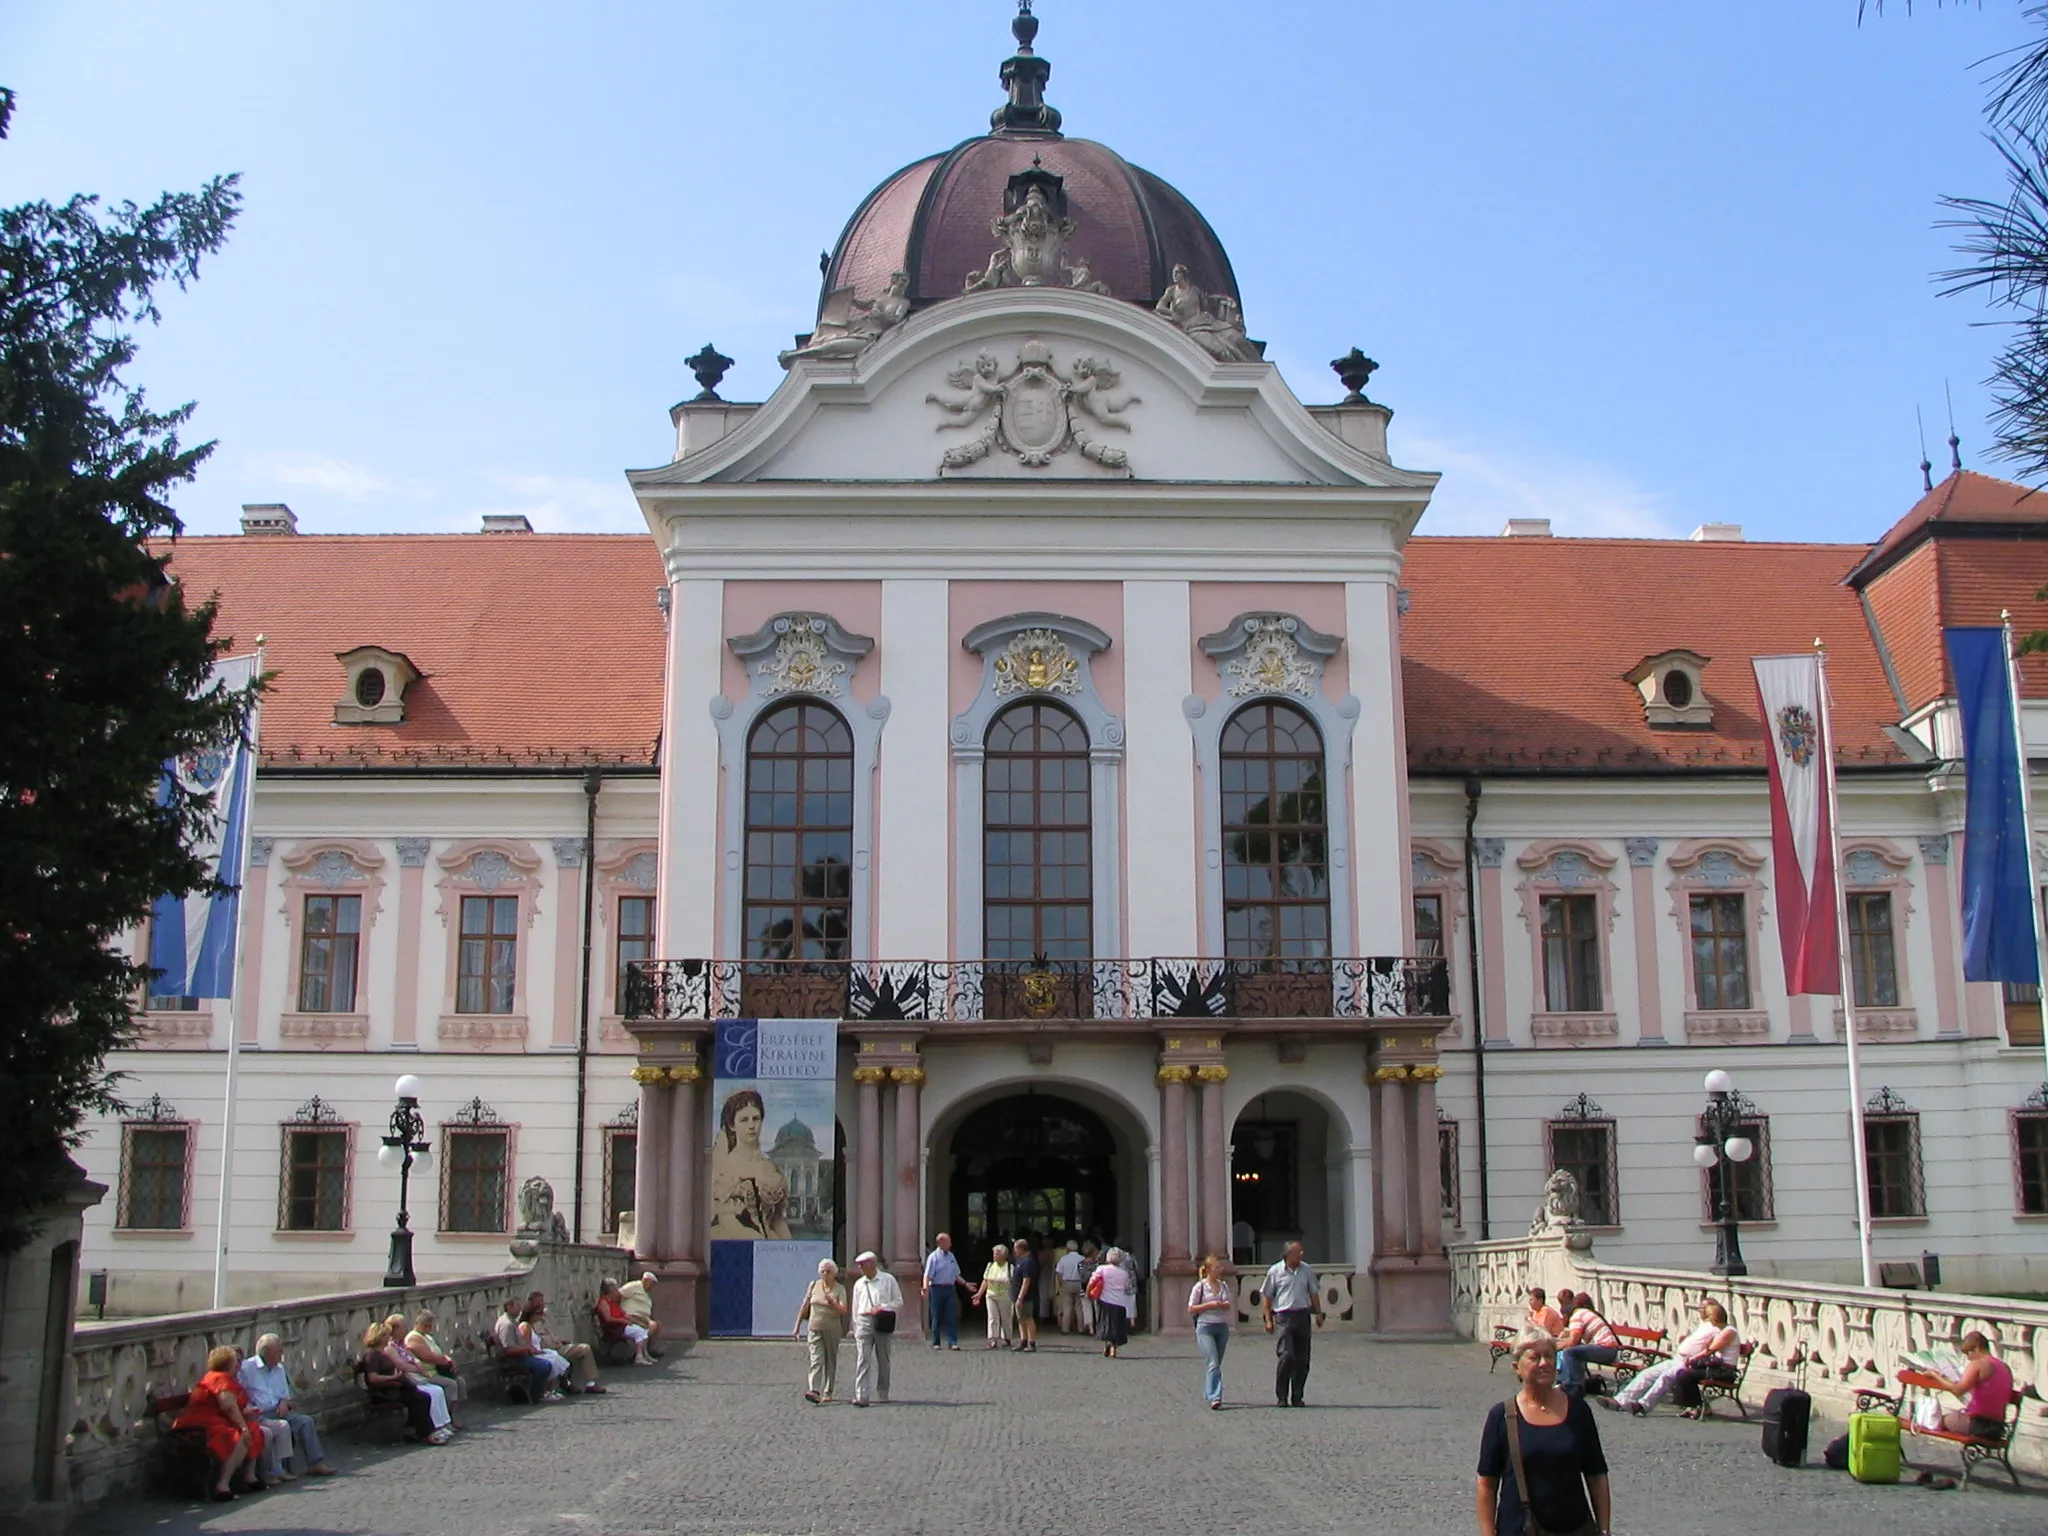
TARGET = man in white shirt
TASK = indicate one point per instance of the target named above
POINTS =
(264, 1378)
(877, 1300)
(1290, 1296)
(1066, 1304)
(635, 1298)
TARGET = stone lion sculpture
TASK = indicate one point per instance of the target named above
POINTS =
(537, 1213)
(1559, 1211)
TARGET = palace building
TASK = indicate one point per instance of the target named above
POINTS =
(1193, 853)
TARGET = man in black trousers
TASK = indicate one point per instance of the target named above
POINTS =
(1289, 1298)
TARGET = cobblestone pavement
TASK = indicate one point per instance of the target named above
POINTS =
(718, 1439)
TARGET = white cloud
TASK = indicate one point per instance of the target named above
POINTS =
(1481, 491)
(319, 472)
(561, 504)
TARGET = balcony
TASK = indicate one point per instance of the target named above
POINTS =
(985, 991)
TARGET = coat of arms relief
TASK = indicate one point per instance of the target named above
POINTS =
(1033, 411)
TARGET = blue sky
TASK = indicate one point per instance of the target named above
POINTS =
(1629, 264)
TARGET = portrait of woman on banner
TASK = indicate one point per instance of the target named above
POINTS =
(749, 1195)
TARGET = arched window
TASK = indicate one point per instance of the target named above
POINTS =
(799, 888)
(1036, 890)
(1276, 861)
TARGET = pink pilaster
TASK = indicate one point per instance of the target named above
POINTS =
(1642, 857)
(570, 865)
(652, 1169)
(1175, 1266)
(907, 1241)
(255, 913)
(405, 1004)
(867, 1208)
(1941, 913)
(1215, 1171)
(1492, 956)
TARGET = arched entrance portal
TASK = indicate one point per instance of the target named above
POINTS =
(1037, 1165)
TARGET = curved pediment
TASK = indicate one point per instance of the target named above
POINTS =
(1033, 384)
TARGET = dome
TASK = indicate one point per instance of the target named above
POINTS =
(794, 1140)
(931, 220)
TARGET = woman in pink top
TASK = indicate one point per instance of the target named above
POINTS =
(1986, 1390)
(1587, 1337)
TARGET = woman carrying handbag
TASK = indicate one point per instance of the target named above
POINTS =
(1541, 1469)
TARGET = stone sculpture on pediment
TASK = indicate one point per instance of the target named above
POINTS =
(1034, 228)
(1033, 411)
(1219, 333)
(848, 326)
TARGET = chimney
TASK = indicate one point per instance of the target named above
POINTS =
(268, 518)
(1526, 528)
(506, 522)
(1717, 533)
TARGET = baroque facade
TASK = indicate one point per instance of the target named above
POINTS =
(1195, 856)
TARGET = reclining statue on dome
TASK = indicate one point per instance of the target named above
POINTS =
(1221, 335)
(849, 326)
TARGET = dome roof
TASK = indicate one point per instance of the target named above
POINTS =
(931, 220)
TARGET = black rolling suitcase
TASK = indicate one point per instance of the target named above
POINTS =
(1786, 1412)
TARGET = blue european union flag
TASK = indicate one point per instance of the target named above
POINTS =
(1998, 895)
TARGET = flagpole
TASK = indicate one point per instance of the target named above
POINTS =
(2019, 739)
(234, 1022)
(1860, 1159)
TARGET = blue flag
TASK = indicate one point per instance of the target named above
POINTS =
(192, 938)
(1998, 896)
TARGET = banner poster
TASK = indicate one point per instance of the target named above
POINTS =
(772, 1089)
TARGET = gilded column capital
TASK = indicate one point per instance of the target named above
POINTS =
(650, 1077)
(868, 1076)
(1393, 1074)
(910, 1076)
(690, 1072)
(1213, 1072)
(1174, 1074)
(1428, 1072)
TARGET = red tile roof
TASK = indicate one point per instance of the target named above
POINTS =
(1514, 648)
(1964, 498)
(538, 650)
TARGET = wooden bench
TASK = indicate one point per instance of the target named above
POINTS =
(385, 1400)
(1503, 1345)
(515, 1376)
(1975, 1449)
(1636, 1349)
(186, 1462)
(1714, 1389)
(613, 1347)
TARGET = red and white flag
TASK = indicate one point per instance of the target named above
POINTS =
(1802, 827)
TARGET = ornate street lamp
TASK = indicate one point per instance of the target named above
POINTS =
(1721, 1132)
(404, 1147)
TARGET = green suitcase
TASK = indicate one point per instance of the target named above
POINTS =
(1874, 1447)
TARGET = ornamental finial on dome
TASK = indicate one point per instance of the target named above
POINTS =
(1024, 76)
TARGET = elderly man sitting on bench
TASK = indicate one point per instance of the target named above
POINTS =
(269, 1387)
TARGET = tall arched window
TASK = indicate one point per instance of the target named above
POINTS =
(1036, 891)
(1276, 859)
(799, 890)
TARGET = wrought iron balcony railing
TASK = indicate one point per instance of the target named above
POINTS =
(938, 991)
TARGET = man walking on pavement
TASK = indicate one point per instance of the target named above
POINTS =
(941, 1291)
(1290, 1297)
(1066, 1306)
(876, 1300)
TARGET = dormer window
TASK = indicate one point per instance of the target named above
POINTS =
(374, 684)
(1673, 694)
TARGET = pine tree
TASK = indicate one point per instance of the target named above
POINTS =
(103, 662)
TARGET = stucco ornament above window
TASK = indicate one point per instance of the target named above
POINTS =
(1263, 653)
(1037, 661)
(800, 653)
(1032, 411)
(1673, 694)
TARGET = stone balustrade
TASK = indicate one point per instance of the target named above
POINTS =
(1833, 1340)
(119, 1367)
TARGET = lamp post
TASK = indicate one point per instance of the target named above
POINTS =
(402, 1148)
(1721, 1133)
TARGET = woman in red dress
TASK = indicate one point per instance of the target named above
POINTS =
(217, 1407)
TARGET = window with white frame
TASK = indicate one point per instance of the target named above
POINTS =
(634, 942)
(1720, 950)
(476, 1171)
(1571, 953)
(1447, 1166)
(487, 961)
(314, 1179)
(329, 947)
(1276, 859)
(1581, 1141)
(1873, 955)
(2030, 1154)
(1891, 1154)
(156, 1169)
(621, 1166)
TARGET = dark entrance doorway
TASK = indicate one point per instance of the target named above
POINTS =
(1036, 1165)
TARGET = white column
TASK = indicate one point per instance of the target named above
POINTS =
(1379, 777)
(1159, 769)
(911, 899)
(685, 899)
